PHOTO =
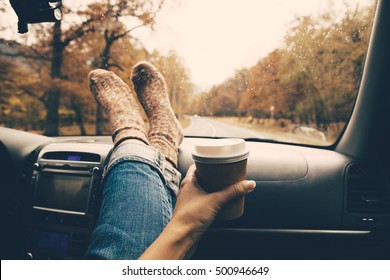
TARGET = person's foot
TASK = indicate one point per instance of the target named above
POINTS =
(165, 131)
(120, 105)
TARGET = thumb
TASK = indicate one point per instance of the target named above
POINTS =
(236, 190)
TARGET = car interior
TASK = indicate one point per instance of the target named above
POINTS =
(311, 202)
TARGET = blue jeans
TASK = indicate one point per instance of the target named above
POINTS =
(139, 192)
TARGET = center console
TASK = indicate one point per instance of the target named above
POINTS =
(66, 195)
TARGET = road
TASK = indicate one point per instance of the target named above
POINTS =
(202, 126)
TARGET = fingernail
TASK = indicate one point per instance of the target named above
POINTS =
(250, 185)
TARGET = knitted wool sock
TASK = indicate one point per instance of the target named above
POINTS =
(120, 105)
(165, 131)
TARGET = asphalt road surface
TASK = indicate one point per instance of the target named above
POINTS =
(202, 126)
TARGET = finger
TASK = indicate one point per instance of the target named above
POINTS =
(190, 176)
(235, 190)
(191, 170)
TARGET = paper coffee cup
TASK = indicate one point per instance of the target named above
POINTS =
(220, 163)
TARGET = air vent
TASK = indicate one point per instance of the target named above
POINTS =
(367, 190)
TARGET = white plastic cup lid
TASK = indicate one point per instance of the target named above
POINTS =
(220, 151)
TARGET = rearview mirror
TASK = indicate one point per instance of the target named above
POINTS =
(36, 11)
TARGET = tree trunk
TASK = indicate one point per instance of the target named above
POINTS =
(52, 118)
(106, 55)
(52, 101)
(79, 118)
(99, 124)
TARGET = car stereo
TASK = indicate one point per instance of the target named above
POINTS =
(65, 200)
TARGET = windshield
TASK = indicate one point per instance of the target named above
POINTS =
(282, 70)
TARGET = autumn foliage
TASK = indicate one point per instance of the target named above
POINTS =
(44, 85)
(312, 80)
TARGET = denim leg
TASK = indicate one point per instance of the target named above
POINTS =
(138, 197)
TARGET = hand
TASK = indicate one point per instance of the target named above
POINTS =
(195, 208)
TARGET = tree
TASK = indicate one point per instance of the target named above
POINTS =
(264, 88)
(328, 56)
(177, 78)
(223, 99)
(51, 51)
(19, 95)
(143, 12)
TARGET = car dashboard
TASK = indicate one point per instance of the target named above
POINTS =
(309, 203)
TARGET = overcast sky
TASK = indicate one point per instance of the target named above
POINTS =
(216, 37)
